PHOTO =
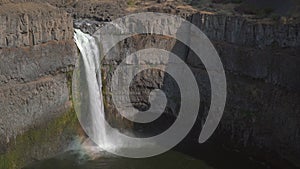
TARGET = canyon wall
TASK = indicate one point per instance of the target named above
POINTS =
(262, 112)
(254, 38)
(261, 62)
(37, 56)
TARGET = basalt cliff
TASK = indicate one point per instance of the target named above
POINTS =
(38, 53)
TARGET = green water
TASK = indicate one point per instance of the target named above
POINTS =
(73, 160)
(169, 160)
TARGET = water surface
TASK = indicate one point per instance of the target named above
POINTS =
(77, 160)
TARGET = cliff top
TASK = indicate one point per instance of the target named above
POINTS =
(259, 10)
(266, 11)
(33, 23)
(253, 9)
(29, 8)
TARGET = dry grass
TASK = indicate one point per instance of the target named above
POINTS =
(28, 8)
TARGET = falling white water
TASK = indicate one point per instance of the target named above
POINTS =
(93, 114)
(88, 103)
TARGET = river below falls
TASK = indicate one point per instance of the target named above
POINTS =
(215, 159)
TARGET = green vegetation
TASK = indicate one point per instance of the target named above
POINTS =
(248, 114)
(131, 2)
(275, 17)
(264, 12)
(30, 143)
(237, 1)
(228, 1)
(69, 83)
(41, 140)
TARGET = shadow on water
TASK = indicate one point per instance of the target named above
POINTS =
(74, 160)
(183, 156)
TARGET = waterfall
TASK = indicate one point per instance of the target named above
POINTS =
(91, 115)
(89, 107)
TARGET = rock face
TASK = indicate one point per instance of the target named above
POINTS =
(28, 24)
(261, 62)
(239, 30)
(37, 52)
(252, 43)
